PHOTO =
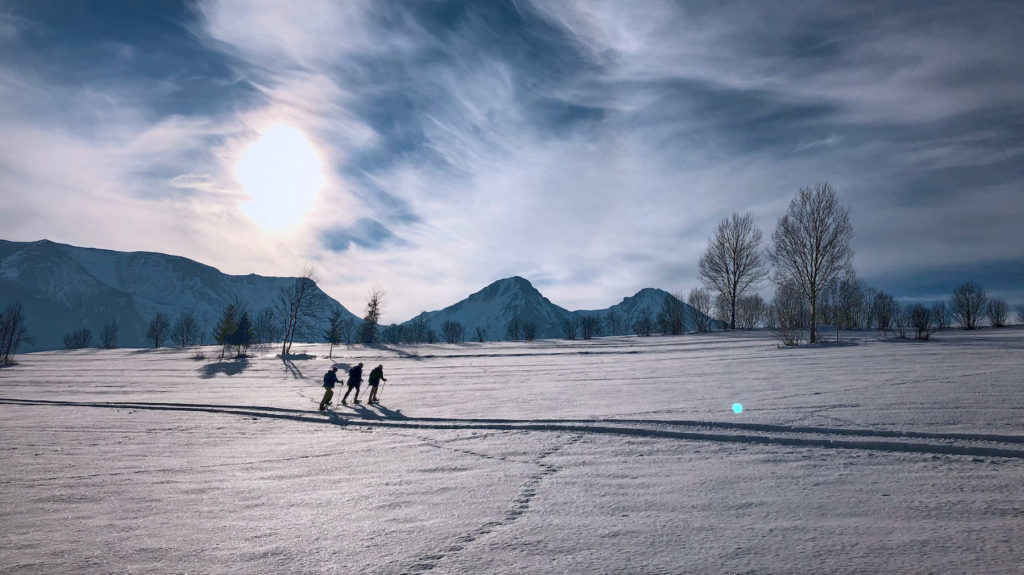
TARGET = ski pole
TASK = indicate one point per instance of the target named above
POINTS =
(381, 390)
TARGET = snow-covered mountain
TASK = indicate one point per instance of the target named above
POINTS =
(494, 306)
(63, 288)
(632, 308)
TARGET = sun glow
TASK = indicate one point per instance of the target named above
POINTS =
(283, 174)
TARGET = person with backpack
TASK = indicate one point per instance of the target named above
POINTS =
(330, 378)
(376, 376)
(355, 377)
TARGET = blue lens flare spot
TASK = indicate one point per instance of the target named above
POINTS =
(737, 408)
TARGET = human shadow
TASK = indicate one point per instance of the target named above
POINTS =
(228, 368)
(388, 413)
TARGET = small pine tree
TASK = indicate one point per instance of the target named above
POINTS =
(243, 335)
(333, 332)
(374, 308)
(225, 328)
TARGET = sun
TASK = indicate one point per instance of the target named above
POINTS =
(282, 173)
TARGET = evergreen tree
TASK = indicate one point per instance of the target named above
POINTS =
(226, 327)
(243, 335)
(333, 332)
(374, 308)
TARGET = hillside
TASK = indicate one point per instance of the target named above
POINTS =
(63, 288)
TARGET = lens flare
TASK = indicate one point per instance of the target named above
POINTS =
(737, 408)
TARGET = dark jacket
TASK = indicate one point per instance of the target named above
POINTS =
(376, 375)
(355, 375)
(330, 378)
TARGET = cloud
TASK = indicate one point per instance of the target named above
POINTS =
(591, 147)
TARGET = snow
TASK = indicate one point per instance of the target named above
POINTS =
(617, 455)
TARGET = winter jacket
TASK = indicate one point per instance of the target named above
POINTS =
(376, 375)
(330, 378)
(355, 375)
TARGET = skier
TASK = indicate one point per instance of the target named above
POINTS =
(330, 378)
(376, 376)
(355, 377)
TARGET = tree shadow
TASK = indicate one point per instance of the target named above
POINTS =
(228, 368)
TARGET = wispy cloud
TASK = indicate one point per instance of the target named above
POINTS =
(589, 146)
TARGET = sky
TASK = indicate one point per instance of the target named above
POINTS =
(592, 147)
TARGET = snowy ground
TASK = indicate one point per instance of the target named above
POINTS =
(609, 456)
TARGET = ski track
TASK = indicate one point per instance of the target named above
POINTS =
(963, 444)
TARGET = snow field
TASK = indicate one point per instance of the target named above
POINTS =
(607, 456)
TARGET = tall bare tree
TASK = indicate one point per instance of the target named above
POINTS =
(967, 304)
(298, 307)
(733, 263)
(266, 326)
(811, 245)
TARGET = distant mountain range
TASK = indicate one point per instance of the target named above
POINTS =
(63, 288)
(491, 309)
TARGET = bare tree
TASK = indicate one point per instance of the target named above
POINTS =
(266, 327)
(108, 337)
(613, 323)
(700, 300)
(751, 311)
(186, 330)
(529, 330)
(884, 310)
(570, 326)
(941, 314)
(12, 332)
(733, 263)
(374, 309)
(788, 313)
(923, 320)
(78, 339)
(967, 304)
(481, 334)
(841, 300)
(297, 308)
(514, 328)
(997, 310)
(1020, 313)
(590, 326)
(159, 327)
(672, 316)
(644, 324)
(453, 331)
(811, 245)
